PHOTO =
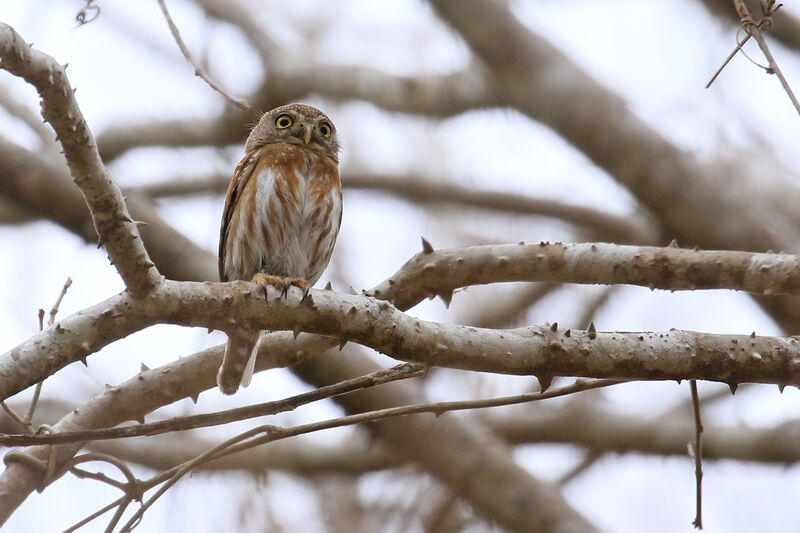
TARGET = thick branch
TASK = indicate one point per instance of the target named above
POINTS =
(118, 233)
(605, 432)
(44, 190)
(442, 271)
(724, 206)
(131, 400)
(540, 351)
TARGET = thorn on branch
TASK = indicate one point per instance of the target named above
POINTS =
(446, 297)
(592, 331)
(426, 246)
(544, 381)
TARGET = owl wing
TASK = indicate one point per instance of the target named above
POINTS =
(241, 176)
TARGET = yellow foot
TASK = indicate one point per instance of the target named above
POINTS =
(280, 284)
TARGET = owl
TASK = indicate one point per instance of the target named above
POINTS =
(282, 215)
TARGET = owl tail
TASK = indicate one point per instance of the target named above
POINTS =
(239, 360)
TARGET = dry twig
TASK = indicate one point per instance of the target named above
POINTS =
(696, 452)
(198, 69)
(184, 423)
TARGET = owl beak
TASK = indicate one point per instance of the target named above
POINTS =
(308, 129)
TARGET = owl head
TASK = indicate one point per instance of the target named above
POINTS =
(295, 124)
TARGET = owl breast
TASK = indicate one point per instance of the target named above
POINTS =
(287, 216)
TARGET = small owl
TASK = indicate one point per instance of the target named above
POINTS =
(282, 214)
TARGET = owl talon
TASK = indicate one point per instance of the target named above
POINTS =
(284, 288)
(262, 280)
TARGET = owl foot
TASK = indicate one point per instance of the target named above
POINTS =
(262, 280)
(300, 283)
(280, 284)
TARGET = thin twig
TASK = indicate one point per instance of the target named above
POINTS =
(773, 64)
(269, 433)
(753, 28)
(697, 454)
(728, 59)
(54, 309)
(116, 503)
(403, 371)
(589, 459)
(37, 391)
(199, 70)
(14, 416)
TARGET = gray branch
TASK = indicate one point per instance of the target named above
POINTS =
(117, 231)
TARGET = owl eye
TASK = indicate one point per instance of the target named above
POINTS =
(283, 121)
(325, 129)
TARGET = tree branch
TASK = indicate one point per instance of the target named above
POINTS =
(634, 229)
(674, 269)
(472, 464)
(117, 231)
(42, 189)
(542, 82)
(536, 350)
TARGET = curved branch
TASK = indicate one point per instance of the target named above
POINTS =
(674, 269)
(26, 115)
(117, 231)
(42, 189)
